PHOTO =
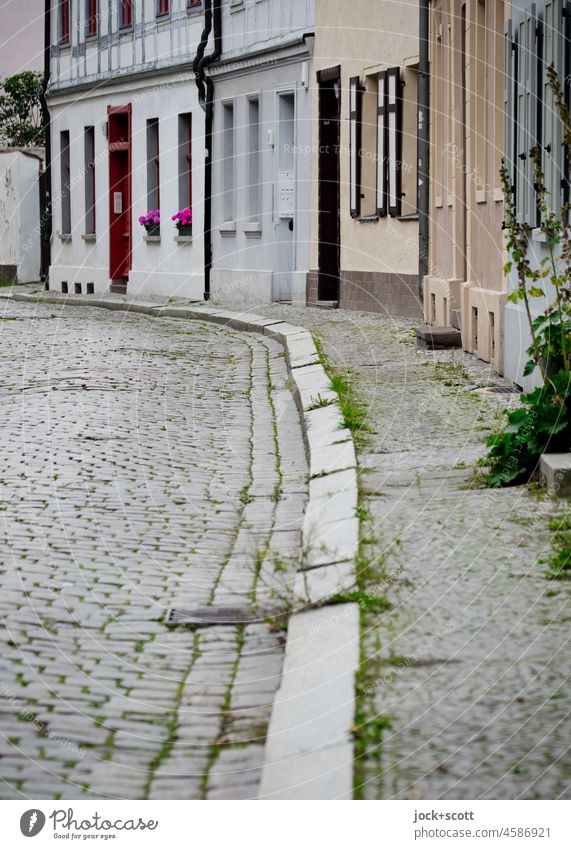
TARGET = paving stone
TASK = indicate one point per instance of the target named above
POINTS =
(130, 448)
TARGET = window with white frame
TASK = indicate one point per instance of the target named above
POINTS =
(65, 182)
(185, 161)
(153, 169)
(355, 103)
(89, 153)
(254, 188)
(228, 161)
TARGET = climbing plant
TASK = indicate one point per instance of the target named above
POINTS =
(543, 421)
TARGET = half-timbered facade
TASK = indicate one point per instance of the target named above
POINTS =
(127, 137)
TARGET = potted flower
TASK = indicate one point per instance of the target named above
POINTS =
(151, 222)
(183, 221)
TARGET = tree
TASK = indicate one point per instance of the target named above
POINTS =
(20, 110)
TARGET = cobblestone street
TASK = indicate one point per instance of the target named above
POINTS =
(145, 464)
(466, 678)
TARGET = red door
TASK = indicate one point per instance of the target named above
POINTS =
(119, 139)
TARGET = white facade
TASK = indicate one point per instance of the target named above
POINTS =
(147, 68)
(19, 216)
(262, 152)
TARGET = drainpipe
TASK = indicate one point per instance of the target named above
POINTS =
(46, 183)
(205, 85)
(423, 144)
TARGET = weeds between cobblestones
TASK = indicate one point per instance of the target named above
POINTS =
(135, 450)
(471, 714)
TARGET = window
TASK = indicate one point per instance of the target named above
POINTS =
(89, 152)
(481, 112)
(153, 174)
(192, 4)
(65, 179)
(381, 138)
(228, 169)
(126, 14)
(64, 21)
(409, 144)
(162, 8)
(91, 18)
(355, 103)
(394, 140)
(437, 121)
(185, 161)
(254, 159)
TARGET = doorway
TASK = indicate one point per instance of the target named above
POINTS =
(119, 139)
(329, 223)
(285, 238)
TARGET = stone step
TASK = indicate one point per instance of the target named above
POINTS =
(456, 319)
(438, 337)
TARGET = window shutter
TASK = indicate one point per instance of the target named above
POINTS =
(527, 114)
(552, 151)
(355, 101)
(381, 145)
(510, 111)
(394, 140)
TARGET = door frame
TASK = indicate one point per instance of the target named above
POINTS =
(327, 77)
(115, 148)
(281, 92)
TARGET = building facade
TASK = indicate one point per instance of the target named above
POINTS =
(464, 286)
(364, 218)
(537, 37)
(260, 165)
(127, 136)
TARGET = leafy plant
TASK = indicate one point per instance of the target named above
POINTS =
(543, 423)
(20, 110)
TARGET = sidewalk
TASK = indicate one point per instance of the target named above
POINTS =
(465, 680)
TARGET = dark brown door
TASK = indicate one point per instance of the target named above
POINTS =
(119, 138)
(329, 81)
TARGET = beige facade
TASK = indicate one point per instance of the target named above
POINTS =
(372, 44)
(466, 146)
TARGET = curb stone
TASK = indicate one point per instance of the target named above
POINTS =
(309, 746)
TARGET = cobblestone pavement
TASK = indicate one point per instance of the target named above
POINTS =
(144, 464)
(466, 678)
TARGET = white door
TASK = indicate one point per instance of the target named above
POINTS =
(285, 194)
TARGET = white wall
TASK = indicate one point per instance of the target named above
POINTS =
(168, 268)
(20, 215)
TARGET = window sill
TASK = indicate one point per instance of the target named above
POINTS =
(195, 10)
(480, 196)
(253, 230)
(153, 238)
(413, 216)
(438, 202)
(88, 237)
(184, 240)
(538, 235)
(91, 39)
(64, 237)
(126, 30)
(366, 218)
(498, 195)
(237, 6)
(228, 228)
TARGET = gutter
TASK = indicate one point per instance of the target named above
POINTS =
(423, 144)
(205, 85)
(46, 179)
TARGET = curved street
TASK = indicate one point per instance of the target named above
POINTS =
(145, 465)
